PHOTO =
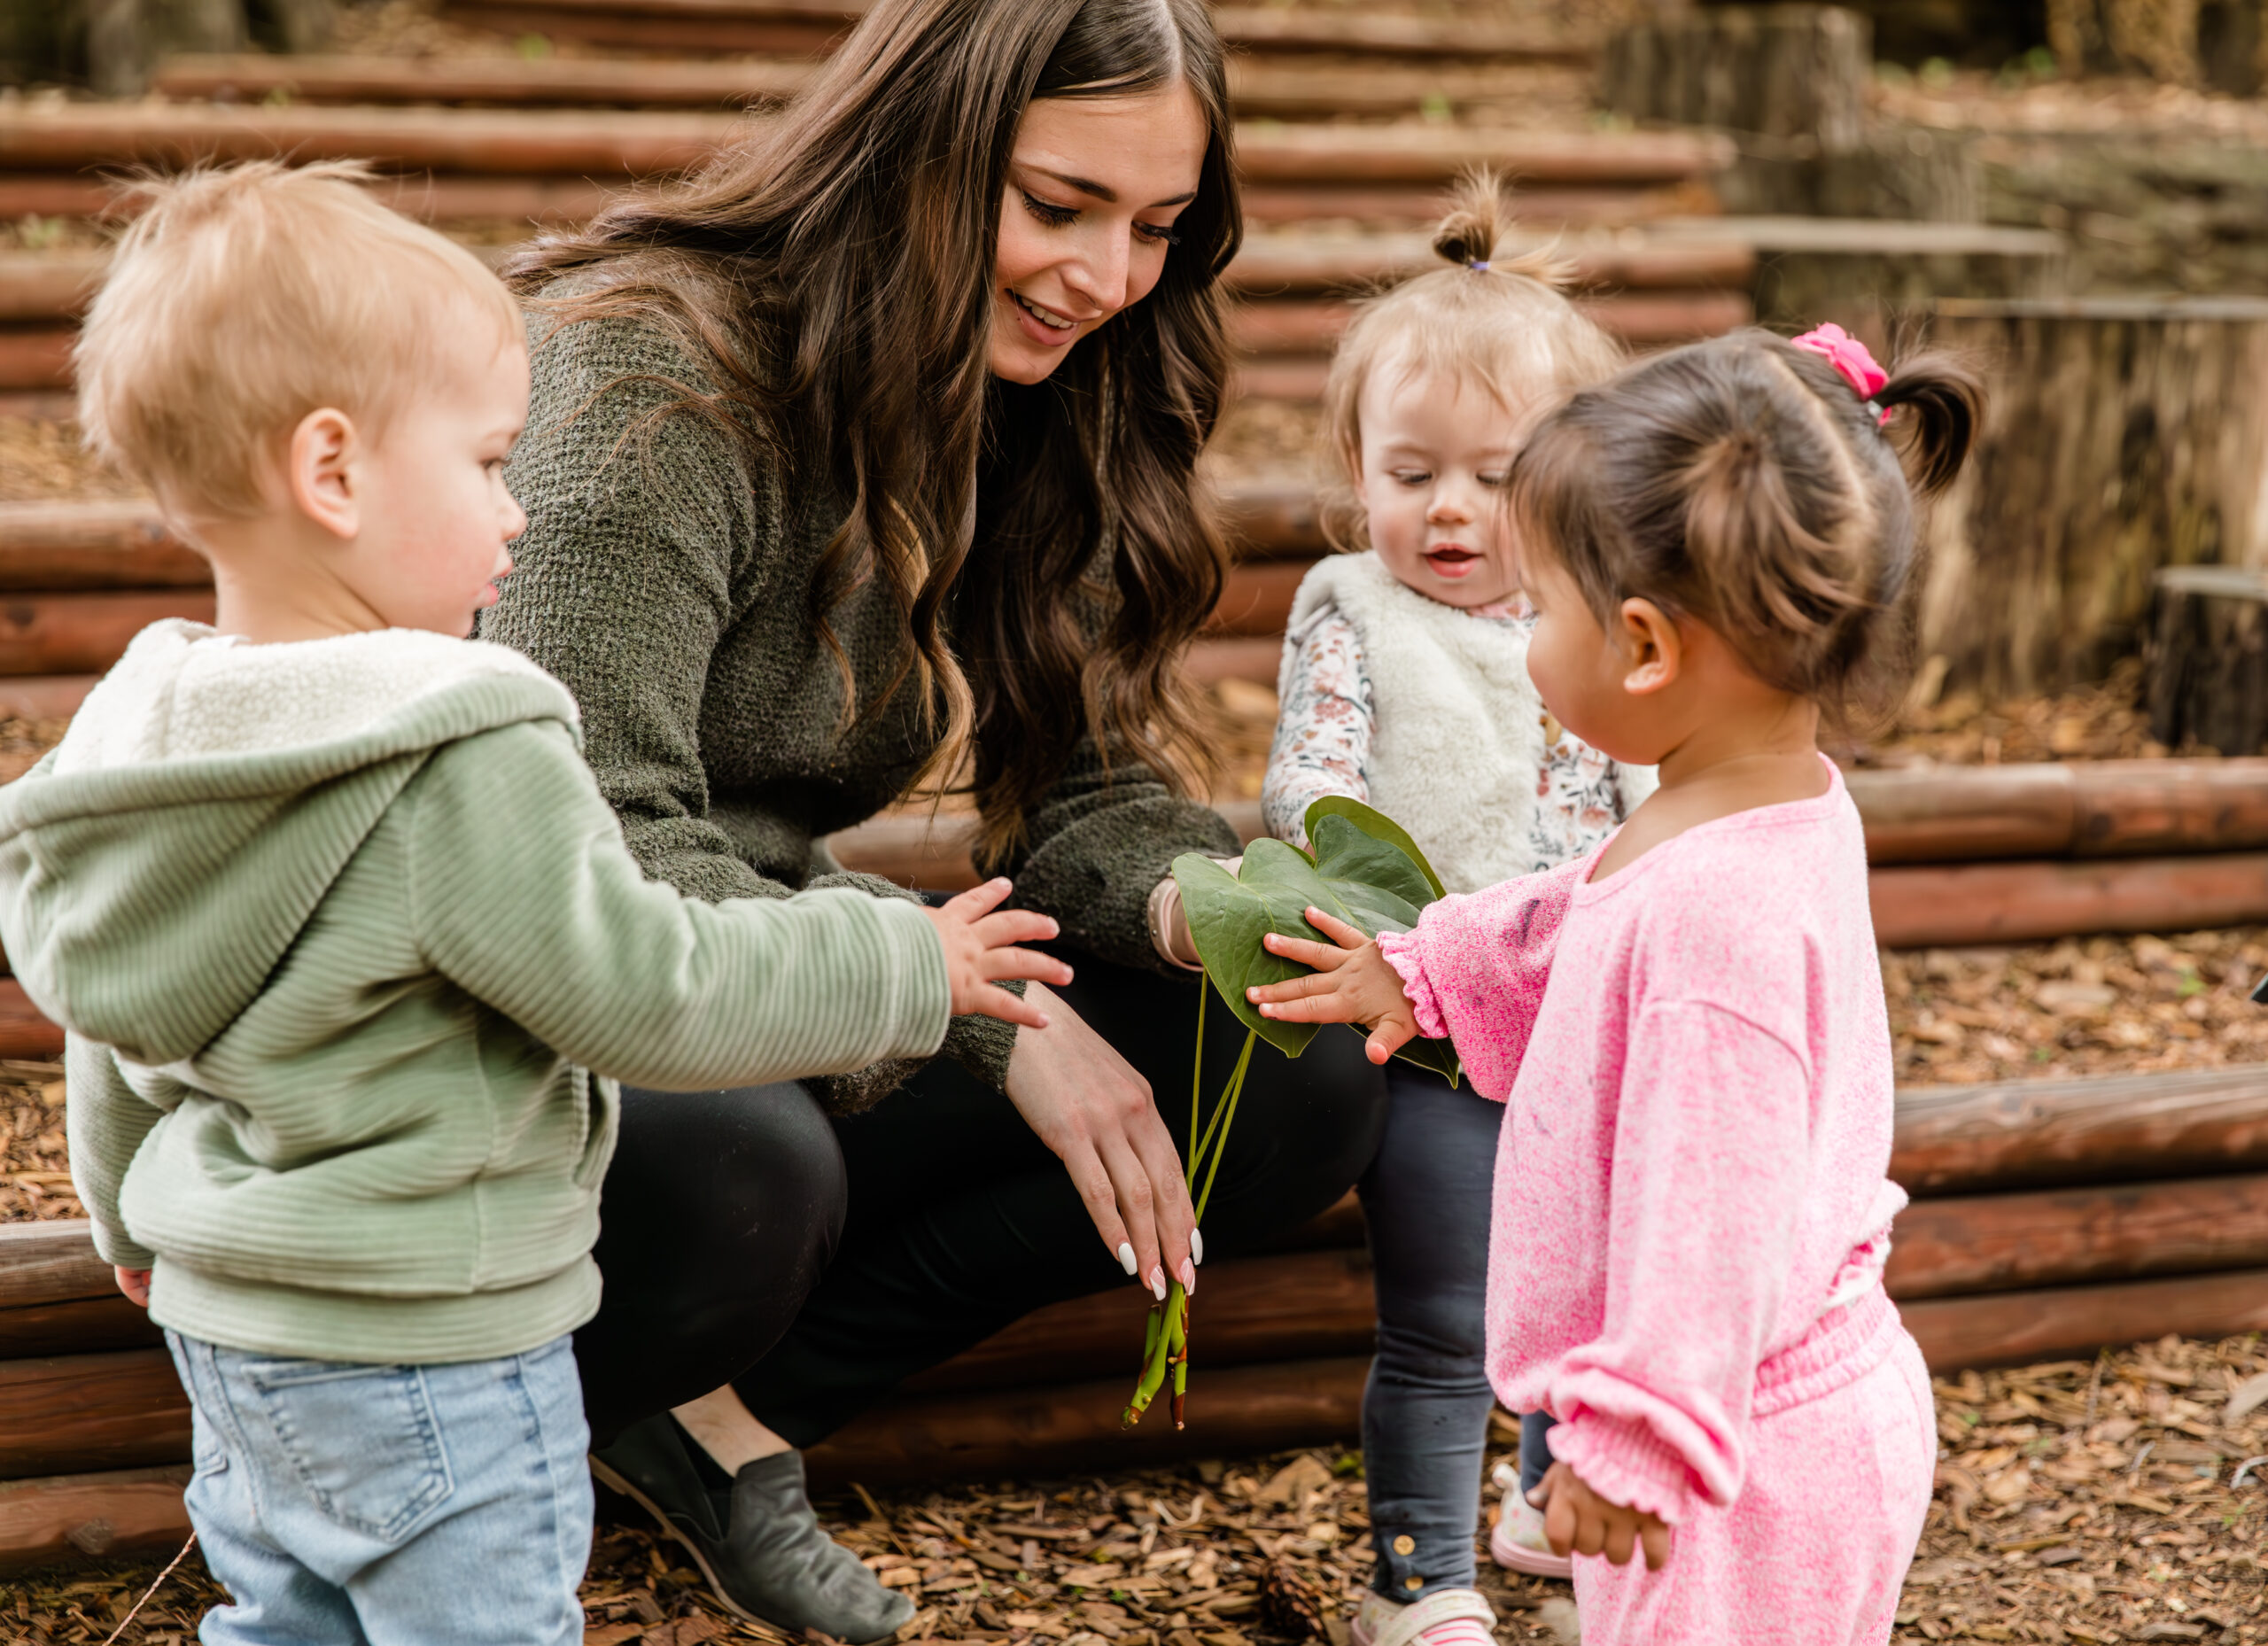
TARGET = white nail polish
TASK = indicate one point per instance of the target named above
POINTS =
(1126, 1255)
(1197, 1244)
(1158, 1283)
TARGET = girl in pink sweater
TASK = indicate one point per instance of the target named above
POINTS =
(1691, 1201)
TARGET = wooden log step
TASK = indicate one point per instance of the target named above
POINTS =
(1291, 264)
(2081, 808)
(1297, 1306)
(1936, 906)
(2017, 1328)
(1257, 89)
(51, 1263)
(89, 1517)
(73, 634)
(2097, 1129)
(432, 199)
(788, 26)
(72, 1413)
(1965, 1245)
(1048, 1429)
(44, 696)
(24, 1033)
(94, 545)
(1641, 319)
(67, 138)
(82, 1326)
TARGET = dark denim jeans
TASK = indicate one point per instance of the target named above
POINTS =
(1426, 1199)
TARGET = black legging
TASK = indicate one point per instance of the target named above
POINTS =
(859, 1251)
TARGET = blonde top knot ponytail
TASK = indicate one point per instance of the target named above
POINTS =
(1498, 316)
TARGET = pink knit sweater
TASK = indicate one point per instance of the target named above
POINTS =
(1699, 1063)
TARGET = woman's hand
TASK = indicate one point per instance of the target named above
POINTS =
(136, 1283)
(1351, 983)
(1579, 1521)
(1088, 1104)
(978, 954)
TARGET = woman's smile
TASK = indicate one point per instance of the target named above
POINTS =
(1045, 325)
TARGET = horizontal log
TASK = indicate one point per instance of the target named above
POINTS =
(1248, 657)
(1256, 88)
(1298, 1306)
(2019, 1328)
(51, 1263)
(2087, 809)
(94, 545)
(71, 1413)
(1279, 265)
(1048, 1429)
(1258, 598)
(2099, 1128)
(429, 199)
(109, 1516)
(82, 1326)
(639, 143)
(35, 357)
(24, 1033)
(37, 285)
(755, 24)
(1932, 905)
(1965, 1245)
(44, 696)
(70, 633)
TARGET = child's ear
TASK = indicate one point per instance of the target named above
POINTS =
(319, 471)
(1653, 651)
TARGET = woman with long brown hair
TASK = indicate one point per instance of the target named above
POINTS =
(863, 460)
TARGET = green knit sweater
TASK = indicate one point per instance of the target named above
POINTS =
(666, 576)
(342, 932)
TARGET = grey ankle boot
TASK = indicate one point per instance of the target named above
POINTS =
(759, 1545)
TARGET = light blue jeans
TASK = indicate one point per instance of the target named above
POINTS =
(375, 1505)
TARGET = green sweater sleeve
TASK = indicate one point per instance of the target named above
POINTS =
(104, 1122)
(556, 927)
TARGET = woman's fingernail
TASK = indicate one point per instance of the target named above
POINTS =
(1188, 1278)
(1158, 1281)
(1126, 1255)
(1197, 1244)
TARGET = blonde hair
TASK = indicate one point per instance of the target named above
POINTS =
(1496, 318)
(242, 298)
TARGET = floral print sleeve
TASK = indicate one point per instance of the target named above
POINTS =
(1322, 728)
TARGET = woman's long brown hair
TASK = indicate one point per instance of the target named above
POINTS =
(836, 264)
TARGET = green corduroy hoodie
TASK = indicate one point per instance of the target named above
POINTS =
(351, 954)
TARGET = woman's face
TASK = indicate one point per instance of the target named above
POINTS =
(1094, 188)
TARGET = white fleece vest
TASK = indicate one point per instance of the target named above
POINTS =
(1457, 732)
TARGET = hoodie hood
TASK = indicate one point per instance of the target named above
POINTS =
(207, 796)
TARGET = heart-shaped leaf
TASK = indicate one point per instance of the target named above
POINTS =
(1367, 872)
(1378, 826)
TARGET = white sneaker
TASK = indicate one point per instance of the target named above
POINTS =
(1451, 1617)
(1517, 1540)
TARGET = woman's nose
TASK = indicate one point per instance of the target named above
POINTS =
(1098, 274)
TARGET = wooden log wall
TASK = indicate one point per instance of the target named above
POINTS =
(2050, 1217)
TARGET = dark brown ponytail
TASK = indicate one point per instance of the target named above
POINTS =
(1745, 483)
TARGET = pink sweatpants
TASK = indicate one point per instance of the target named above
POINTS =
(1814, 1549)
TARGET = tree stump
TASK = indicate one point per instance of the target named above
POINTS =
(2206, 682)
(2122, 435)
(1797, 73)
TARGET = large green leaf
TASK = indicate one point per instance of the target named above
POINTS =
(1230, 914)
(1378, 826)
(1367, 872)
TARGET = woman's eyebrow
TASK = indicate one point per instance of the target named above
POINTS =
(1108, 195)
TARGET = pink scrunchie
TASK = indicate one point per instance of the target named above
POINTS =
(1850, 357)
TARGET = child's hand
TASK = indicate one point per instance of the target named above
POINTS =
(979, 952)
(1351, 983)
(1579, 1521)
(136, 1283)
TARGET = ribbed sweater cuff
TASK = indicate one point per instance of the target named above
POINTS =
(983, 1045)
(926, 1003)
(1395, 947)
(115, 1247)
(1626, 1464)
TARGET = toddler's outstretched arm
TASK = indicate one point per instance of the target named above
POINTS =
(1351, 983)
(979, 951)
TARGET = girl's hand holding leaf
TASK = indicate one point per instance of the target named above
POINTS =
(979, 952)
(1351, 983)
